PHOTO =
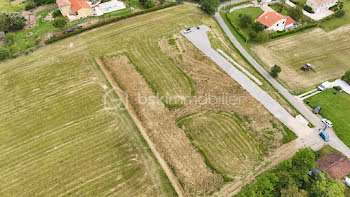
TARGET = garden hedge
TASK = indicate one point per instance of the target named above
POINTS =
(277, 35)
(112, 20)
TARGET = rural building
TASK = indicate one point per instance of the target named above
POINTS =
(2, 36)
(74, 9)
(109, 6)
(321, 5)
(276, 22)
(335, 164)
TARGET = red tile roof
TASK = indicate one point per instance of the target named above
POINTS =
(62, 3)
(335, 164)
(270, 18)
(79, 4)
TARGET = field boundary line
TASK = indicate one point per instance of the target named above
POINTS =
(167, 170)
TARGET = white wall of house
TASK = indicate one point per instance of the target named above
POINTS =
(278, 26)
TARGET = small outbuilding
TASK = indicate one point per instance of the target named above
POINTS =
(335, 164)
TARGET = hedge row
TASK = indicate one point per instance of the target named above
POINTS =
(237, 29)
(112, 20)
(277, 35)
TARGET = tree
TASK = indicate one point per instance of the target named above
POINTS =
(258, 27)
(275, 70)
(4, 22)
(346, 77)
(293, 192)
(209, 6)
(59, 22)
(3, 53)
(11, 21)
(296, 13)
(339, 13)
(56, 13)
(327, 187)
(245, 20)
(149, 4)
(263, 186)
(29, 5)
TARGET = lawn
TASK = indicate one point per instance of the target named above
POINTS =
(337, 109)
(327, 52)
(254, 12)
(334, 23)
(278, 8)
(6, 6)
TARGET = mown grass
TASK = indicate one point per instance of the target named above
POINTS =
(227, 148)
(56, 138)
(6, 6)
(336, 108)
(254, 12)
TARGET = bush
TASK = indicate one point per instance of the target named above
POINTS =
(258, 27)
(346, 77)
(296, 13)
(275, 70)
(59, 22)
(29, 5)
(308, 9)
(112, 20)
(56, 13)
(11, 21)
(149, 4)
(209, 6)
(337, 88)
(253, 35)
(3, 53)
(245, 20)
(339, 13)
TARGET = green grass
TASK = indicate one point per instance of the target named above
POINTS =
(336, 108)
(254, 12)
(55, 135)
(6, 6)
(278, 8)
(288, 136)
(226, 146)
(326, 150)
(335, 22)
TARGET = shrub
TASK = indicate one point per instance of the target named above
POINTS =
(56, 13)
(253, 35)
(149, 4)
(337, 88)
(209, 6)
(275, 70)
(3, 53)
(308, 9)
(258, 27)
(339, 13)
(11, 21)
(59, 22)
(296, 13)
(346, 77)
(245, 20)
(112, 20)
(29, 5)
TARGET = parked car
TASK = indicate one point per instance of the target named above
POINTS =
(324, 136)
(327, 122)
(317, 109)
(321, 88)
(186, 31)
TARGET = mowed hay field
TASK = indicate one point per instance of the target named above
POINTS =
(213, 132)
(327, 52)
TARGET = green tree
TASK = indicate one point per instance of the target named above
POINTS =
(59, 22)
(149, 4)
(29, 5)
(3, 53)
(245, 20)
(339, 13)
(296, 13)
(4, 22)
(346, 77)
(327, 187)
(11, 21)
(293, 192)
(275, 70)
(258, 27)
(264, 186)
(209, 6)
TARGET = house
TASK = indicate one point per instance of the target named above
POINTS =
(275, 21)
(321, 5)
(335, 164)
(109, 6)
(75, 9)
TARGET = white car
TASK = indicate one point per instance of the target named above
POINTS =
(327, 122)
(186, 31)
(321, 88)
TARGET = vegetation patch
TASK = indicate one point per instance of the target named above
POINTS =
(336, 108)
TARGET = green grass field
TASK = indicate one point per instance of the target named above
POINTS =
(254, 12)
(327, 52)
(334, 23)
(336, 108)
(227, 147)
(57, 139)
(6, 6)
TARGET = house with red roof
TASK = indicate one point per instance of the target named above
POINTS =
(276, 22)
(75, 9)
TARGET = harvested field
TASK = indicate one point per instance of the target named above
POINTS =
(328, 53)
